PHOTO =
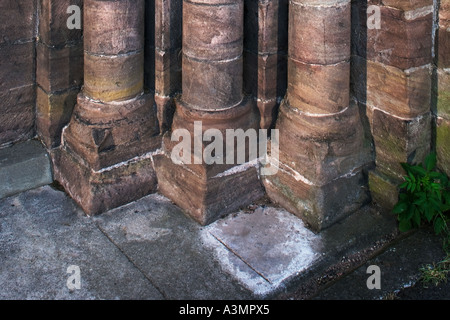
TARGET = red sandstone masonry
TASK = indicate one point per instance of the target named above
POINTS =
(443, 90)
(17, 75)
(398, 90)
(167, 58)
(265, 51)
(59, 69)
(229, 47)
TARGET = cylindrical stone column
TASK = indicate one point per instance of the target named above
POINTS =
(212, 94)
(114, 50)
(212, 53)
(102, 162)
(265, 55)
(320, 133)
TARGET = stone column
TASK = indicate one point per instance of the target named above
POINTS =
(212, 95)
(105, 157)
(168, 37)
(321, 151)
(59, 69)
(398, 67)
(265, 55)
(443, 99)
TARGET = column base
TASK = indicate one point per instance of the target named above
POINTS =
(268, 111)
(207, 192)
(104, 134)
(105, 157)
(319, 206)
(99, 191)
(206, 199)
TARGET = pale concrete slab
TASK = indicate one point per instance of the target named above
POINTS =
(42, 233)
(23, 166)
(273, 244)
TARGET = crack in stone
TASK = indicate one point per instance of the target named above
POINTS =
(240, 258)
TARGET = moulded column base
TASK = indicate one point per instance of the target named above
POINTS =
(206, 199)
(207, 192)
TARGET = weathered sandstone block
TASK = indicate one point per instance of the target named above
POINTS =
(53, 112)
(17, 116)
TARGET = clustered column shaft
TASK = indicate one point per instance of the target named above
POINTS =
(212, 85)
(167, 57)
(59, 70)
(265, 55)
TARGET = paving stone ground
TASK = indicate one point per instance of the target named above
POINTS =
(150, 250)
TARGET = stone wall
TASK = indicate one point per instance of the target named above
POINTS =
(17, 70)
(351, 99)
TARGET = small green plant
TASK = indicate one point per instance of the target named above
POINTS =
(424, 197)
(436, 273)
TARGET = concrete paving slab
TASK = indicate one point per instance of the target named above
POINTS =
(273, 254)
(167, 247)
(149, 249)
(23, 166)
(42, 233)
(344, 247)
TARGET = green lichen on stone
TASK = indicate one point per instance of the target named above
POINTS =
(383, 191)
(443, 145)
(443, 104)
(390, 153)
(285, 190)
(393, 146)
